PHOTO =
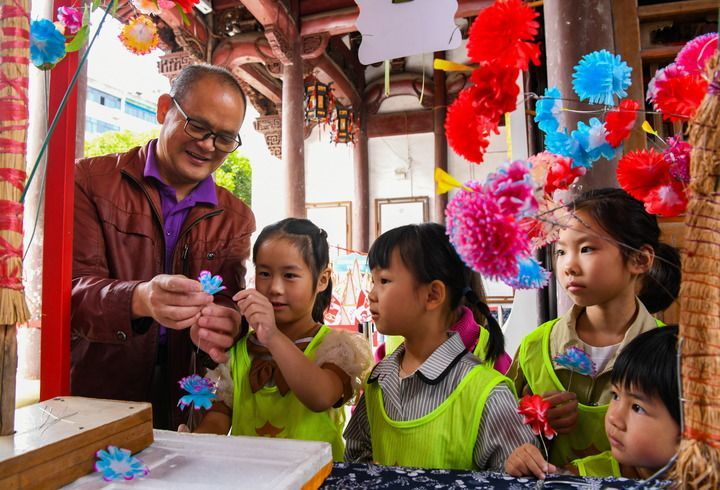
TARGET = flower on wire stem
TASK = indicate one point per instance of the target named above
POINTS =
(47, 44)
(534, 410)
(576, 360)
(118, 463)
(201, 392)
(70, 18)
(211, 284)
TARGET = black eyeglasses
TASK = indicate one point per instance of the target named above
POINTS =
(199, 131)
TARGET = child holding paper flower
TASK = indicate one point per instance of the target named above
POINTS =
(291, 376)
(643, 418)
(604, 253)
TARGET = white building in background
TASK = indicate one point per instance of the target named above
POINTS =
(109, 108)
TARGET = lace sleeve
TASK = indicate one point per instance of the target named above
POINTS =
(222, 378)
(348, 351)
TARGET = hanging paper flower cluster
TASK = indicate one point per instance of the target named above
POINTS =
(601, 76)
(140, 35)
(201, 392)
(535, 414)
(118, 463)
(484, 226)
(50, 42)
(658, 179)
(678, 89)
(575, 359)
(501, 42)
(156, 6)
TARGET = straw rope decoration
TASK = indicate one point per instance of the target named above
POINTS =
(698, 464)
(14, 61)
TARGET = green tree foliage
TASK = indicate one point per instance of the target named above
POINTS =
(235, 174)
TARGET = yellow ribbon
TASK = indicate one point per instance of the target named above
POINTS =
(445, 182)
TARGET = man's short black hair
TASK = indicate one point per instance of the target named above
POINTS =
(192, 74)
(649, 364)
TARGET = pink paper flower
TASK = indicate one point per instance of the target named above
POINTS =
(513, 188)
(70, 18)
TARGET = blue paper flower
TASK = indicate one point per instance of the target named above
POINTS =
(531, 275)
(547, 109)
(599, 76)
(575, 359)
(593, 140)
(561, 143)
(47, 44)
(210, 284)
(117, 463)
(201, 392)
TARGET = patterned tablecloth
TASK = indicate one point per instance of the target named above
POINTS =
(363, 476)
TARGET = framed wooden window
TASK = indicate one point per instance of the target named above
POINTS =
(336, 219)
(398, 211)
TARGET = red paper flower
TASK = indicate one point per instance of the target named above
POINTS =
(187, 5)
(494, 91)
(502, 34)
(639, 172)
(667, 200)
(467, 133)
(678, 97)
(620, 121)
(535, 413)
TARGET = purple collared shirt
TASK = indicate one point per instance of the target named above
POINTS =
(174, 213)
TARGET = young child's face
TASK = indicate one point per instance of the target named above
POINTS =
(394, 300)
(589, 264)
(283, 276)
(641, 431)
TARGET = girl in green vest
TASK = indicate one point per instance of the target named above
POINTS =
(430, 403)
(642, 421)
(291, 376)
(607, 251)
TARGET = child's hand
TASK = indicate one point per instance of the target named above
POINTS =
(527, 460)
(259, 313)
(216, 330)
(183, 428)
(564, 412)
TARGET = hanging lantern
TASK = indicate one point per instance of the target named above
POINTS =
(343, 127)
(318, 102)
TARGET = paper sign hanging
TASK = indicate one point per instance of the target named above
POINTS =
(395, 30)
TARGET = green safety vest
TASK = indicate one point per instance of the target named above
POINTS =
(268, 413)
(537, 366)
(444, 438)
(601, 465)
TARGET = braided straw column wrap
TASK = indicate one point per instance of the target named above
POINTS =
(698, 464)
(14, 53)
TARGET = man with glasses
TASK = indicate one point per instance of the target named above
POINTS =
(147, 222)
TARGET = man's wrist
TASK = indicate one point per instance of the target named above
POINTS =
(138, 304)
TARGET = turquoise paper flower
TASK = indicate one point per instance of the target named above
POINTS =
(547, 109)
(47, 44)
(201, 392)
(210, 284)
(593, 140)
(117, 463)
(561, 143)
(576, 360)
(599, 76)
(531, 275)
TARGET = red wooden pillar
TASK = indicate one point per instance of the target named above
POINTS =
(441, 153)
(361, 213)
(57, 246)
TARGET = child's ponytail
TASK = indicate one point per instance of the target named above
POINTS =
(496, 340)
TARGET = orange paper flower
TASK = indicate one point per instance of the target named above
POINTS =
(140, 35)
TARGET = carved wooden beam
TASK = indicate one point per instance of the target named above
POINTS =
(326, 70)
(253, 74)
(342, 21)
(399, 123)
(280, 28)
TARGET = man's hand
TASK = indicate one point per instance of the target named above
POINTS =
(172, 301)
(527, 460)
(564, 412)
(216, 331)
(259, 313)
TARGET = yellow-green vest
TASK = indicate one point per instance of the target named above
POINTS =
(268, 413)
(444, 438)
(537, 366)
(600, 465)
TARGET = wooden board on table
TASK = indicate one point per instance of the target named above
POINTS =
(55, 441)
(181, 461)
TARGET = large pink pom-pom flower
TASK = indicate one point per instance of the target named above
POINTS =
(487, 239)
(694, 55)
(513, 189)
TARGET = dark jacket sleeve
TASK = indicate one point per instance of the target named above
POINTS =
(101, 307)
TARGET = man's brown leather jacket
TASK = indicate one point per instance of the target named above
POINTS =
(119, 243)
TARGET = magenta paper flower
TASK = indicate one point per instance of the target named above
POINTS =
(575, 359)
(678, 155)
(70, 18)
(201, 392)
(513, 188)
